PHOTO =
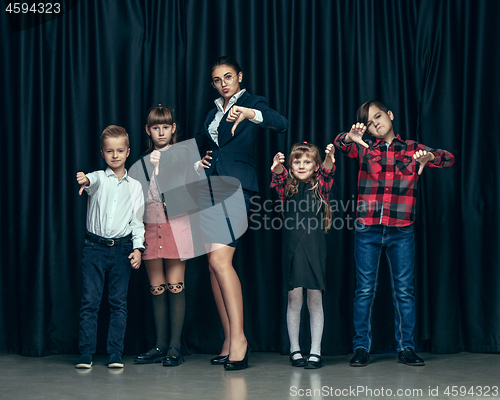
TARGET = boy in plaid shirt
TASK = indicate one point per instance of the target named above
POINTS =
(387, 195)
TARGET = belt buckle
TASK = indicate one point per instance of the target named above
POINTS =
(110, 243)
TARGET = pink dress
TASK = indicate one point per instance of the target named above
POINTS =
(165, 238)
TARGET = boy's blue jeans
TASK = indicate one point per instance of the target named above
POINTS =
(400, 250)
(97, 260)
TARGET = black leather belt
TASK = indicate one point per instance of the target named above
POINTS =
(109, 242)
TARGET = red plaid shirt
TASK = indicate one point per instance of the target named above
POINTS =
(325, 182)
(387, 178)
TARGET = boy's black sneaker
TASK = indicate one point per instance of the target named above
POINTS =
(84, 362)
(115, 361)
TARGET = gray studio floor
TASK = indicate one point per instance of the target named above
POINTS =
(269, 376)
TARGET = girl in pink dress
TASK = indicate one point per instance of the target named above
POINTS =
(165, 254)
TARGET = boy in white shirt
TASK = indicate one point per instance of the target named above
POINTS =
(114, 242)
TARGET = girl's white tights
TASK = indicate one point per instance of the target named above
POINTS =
(316, 316)
(315, 305)
(295, 299)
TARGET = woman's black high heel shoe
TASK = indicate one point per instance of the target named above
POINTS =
(220, 360)
(236, 365)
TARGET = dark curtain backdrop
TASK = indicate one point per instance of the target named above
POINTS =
(434, 63)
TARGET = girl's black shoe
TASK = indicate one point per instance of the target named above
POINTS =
(173, 361)
(314, 364)
(219, 360)
(236, 365)
(299, 362)
(152, 356)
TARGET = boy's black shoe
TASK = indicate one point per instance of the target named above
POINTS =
(408, 357)
(360, 358)
(115, 361)
(85, 361)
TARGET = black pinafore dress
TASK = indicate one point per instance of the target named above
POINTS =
(304, 244)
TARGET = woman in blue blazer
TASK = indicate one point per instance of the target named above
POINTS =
(227, 142)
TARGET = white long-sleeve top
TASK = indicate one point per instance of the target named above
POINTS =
(115, 207)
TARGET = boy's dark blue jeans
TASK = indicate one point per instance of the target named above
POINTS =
(99, 259)
(400, 250)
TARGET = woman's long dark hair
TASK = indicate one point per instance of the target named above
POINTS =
(227, 60)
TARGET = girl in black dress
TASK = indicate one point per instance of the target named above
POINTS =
(307, 216)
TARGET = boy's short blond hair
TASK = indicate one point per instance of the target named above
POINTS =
(114, 131)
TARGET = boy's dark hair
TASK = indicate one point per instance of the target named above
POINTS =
(114, 131)
(227, 60)
(362, 113)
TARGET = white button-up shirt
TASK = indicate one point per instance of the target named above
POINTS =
(219, 103)
(115, 207)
